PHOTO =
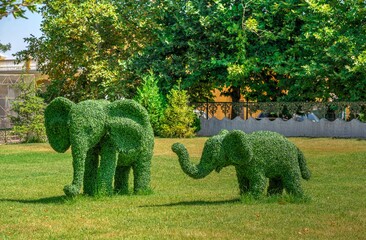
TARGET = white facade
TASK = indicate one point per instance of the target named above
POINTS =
(10, 73)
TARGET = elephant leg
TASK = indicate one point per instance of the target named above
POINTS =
(257, 185)
(243, 185)
(121, 179)
(107, 168)
(91, 171)
(78, 163)
(292, 184)
(275, 186)
(141, 173)
(243, 182)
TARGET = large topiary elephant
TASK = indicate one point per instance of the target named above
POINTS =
(96, 128)
(256, 157)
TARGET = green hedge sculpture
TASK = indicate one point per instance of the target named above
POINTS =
(119, 132)
(256, 157)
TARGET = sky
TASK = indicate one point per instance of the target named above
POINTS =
(14, 30)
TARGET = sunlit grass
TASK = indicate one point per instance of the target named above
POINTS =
(33, 205)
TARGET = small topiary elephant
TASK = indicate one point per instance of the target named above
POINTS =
(96, 128)
(256, 157)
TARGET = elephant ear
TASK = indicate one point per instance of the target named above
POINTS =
(128, 125)
(57, 123)
(237, 148)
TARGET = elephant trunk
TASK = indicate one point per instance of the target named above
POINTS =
(192, 170)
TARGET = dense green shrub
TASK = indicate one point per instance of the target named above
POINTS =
(361, 116)
(256, 157)
(107, 141)
(178, 117)
(28, 120)
(197, 124)
(149, 96)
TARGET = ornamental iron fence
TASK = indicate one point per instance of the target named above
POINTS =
(7, 136)
(285, 110)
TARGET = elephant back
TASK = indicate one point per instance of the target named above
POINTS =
(129, 109)
(57, 123)
(129, 126)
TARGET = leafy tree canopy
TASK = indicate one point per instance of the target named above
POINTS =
(192, 44)
(290, 50)
(331, 51)
(300, 50)
(17, 8)
(5, 47)
(85, 45)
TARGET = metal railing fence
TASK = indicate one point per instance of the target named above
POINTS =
(285, 110)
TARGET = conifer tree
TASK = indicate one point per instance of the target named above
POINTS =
(149, 96)
(178, 118)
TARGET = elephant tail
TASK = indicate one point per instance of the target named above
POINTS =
(305, 172)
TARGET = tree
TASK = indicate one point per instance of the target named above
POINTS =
(301, 50)
(333, 50)
(28, 121)
(5, 47)
(149, 96)
(264, 42)
(85, 45)
(267, 50)
(192, 44)
(239, 44)
(291, 50)
(17, 8)
(178, 117)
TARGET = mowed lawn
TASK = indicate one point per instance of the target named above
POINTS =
(33, 206)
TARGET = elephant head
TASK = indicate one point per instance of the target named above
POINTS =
(56, 121)
(217, 153)
(88, 126)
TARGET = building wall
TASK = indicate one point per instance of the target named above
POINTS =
(221, 113)
(11, 73)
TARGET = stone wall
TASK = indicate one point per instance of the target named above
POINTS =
(290, 128)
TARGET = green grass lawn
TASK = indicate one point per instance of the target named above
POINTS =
(33, 206)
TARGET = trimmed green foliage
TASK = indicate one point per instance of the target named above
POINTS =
(57, 122)
(98, 39)
(96, 128)
(28, 121)
(178, 118)
(149, 96)
(256, 157)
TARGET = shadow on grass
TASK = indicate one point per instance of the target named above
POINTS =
(48, 200)
(195, 203)
(244, 199)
